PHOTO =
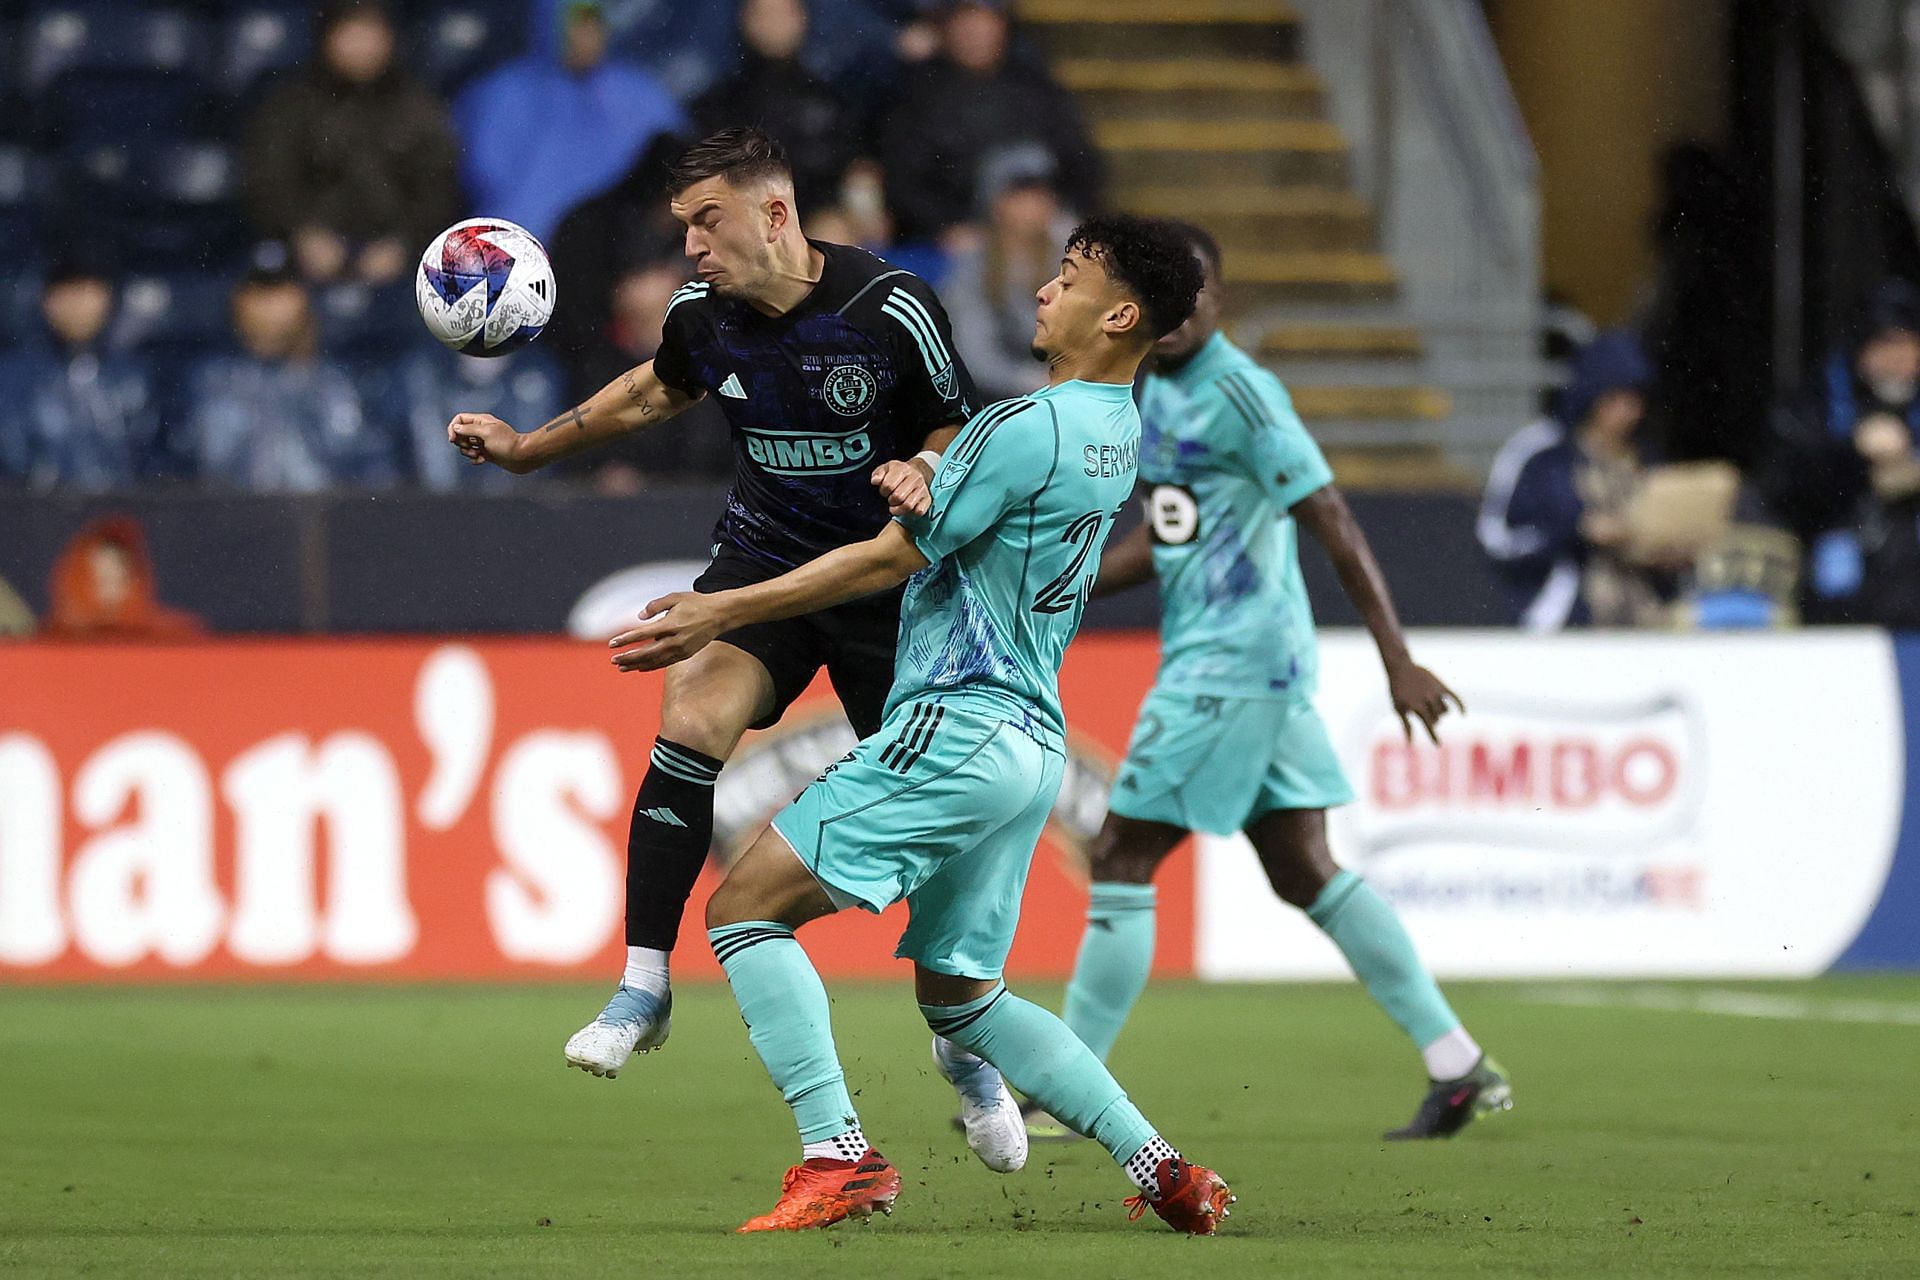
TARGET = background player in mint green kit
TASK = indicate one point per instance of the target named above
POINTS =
(1228, 739)
(943, 807)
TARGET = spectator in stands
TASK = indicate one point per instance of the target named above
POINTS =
(694, 444)
(1553, 516)
(73, 414)
(16, 619)
(103, 589)
(774, 91)
(961, 105)
(989, 289)
(551, 129)
(601, 239)
(276, 417)
(1847, 477)
(861, 217)
(352, 163)
(435, 384)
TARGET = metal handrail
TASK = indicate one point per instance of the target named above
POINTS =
(1448, 30)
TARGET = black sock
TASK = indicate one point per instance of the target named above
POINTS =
(667, 842)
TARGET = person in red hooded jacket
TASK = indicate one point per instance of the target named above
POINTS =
(103, 589)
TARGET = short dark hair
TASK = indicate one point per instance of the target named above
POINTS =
(739, 155)
(336, 12)
(89, 262)
(1152, 258)
(1202, 241)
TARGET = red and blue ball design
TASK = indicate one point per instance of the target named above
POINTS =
(485, 287)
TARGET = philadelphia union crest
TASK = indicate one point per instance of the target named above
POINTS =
(849, 390)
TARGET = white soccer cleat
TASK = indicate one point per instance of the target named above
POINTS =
(995, 1130)
(633, 1022)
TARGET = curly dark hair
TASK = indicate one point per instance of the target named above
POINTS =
(739, 155)
(1152, 258)
(1202, 241)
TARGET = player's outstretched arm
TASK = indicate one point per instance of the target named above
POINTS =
(1417, 693)
(677, 626)
(635, 400)
(1126, 563)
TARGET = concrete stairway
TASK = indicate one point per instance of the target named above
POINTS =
(1206, 111)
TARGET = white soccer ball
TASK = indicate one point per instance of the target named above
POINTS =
(485, 287)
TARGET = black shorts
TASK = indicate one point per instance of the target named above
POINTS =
(853, 641)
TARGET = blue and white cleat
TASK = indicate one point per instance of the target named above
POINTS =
(633, 1022)
(989, 1115)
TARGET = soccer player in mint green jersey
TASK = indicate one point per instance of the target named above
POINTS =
(1228, 739)
(942, 808)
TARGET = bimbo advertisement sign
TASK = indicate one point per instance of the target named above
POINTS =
(1608, 806)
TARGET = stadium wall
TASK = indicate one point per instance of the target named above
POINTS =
(407, 563)
(456, 809)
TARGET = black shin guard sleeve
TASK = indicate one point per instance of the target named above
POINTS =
(667, 842)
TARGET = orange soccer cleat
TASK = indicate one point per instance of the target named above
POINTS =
(820, 1192)
(1193, 1198)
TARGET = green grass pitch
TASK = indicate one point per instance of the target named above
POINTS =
(433, 1132)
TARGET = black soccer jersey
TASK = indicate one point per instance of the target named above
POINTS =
(856, 374)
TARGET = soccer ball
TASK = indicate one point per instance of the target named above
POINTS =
(485, 287)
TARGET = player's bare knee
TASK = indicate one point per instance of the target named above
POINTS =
(724, 907)
(1117, 867)
(709, 708)
(1293, 851)
(1126, 852)
(944, 990)
(768, 883)
(1295, 885)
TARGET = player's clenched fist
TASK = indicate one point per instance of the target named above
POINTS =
(485, 438)
(904, 486)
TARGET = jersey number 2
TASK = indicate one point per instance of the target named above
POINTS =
(1070, 589)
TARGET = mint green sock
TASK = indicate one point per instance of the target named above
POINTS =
(789, 1022)
(1116, 954)
(1370, 935)
(1042, 1059)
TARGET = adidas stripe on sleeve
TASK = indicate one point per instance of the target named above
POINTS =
(937, 391)
(673, 362)
(1284, 457)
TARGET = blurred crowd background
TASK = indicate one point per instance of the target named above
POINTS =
(1701, 411)
(226, 202)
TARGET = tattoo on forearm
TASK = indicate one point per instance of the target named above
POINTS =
(573, 417)
(632, 386)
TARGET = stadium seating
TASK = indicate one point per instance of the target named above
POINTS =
(178, 313)
(101, 36)
(258, 39)
(168, 203)
(19, 307)
(93, 107)
(456, 41)
(22, 188)
(361, 324)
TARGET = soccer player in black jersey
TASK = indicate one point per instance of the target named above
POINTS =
(837, 376)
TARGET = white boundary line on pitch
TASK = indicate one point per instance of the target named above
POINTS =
(1722, 1000)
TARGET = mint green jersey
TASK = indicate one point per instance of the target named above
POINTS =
(1022, 505)
(1223, 457)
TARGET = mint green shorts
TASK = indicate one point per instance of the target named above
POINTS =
(942, 808)
(1213, 764)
